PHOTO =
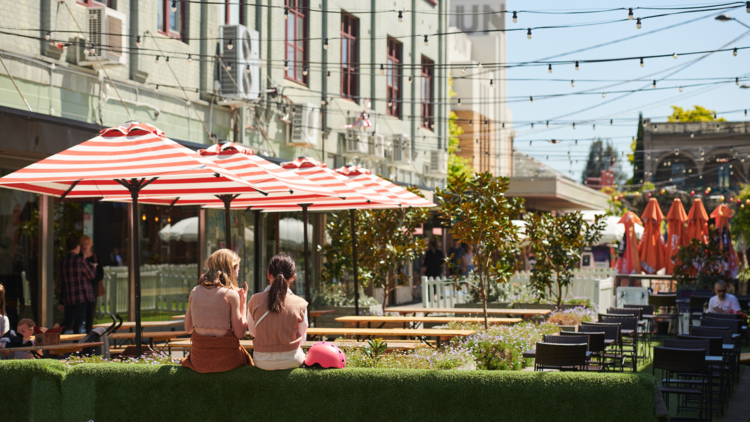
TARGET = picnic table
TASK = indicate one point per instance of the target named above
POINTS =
(248, 344)
(62, 348)
(524, 313)
(398, 332)
(313, 314)
(406, 320)
(146, 324)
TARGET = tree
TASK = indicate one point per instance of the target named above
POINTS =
(700, 265)
(338, 251)
(477, 211)
(602, 156)
(557, 243)
(457, 166)
(741, 219)
(698, 114)
(386, 243)
(636, 158)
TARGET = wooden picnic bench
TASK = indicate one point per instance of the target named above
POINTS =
(524, 313)
(60, 348)
(146, 324)
(397, 332)
(406, 320)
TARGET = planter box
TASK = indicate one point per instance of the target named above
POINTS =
(490, 305)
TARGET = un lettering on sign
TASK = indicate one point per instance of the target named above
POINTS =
(477, 16)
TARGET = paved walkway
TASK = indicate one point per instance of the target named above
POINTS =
(739, 409)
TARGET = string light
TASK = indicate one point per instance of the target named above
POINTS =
(532, 126)
(471, 122)
(400, 16)
(426, 41)
(410, 79)
(572, 83)
(463, 70)
(528, 34)
(190, 58)
(641, 61)
(549, 69)
(610, 122)
(486, 122)
(157, 87)
(491, 83)
(653, 85)
(604, 94)
(531, 99)
(548, 126)
(638, 23)
(574, 126)
(594, 127)
(734, 53)
(138, 41)
(286, 65)
(304, 71)
(674, 56)
(48, 36)
(745, 113)
(459, 101)
(630, 14)
(174, 9)
(325, 44)
(247, 69)
(230, 45)
(286, 13)
(680, 88)
(479, 66)
(382, 70)
(328, 75)
(737, 81)
(747, 6)
(577, 65)
(515, 17)
(157, 60)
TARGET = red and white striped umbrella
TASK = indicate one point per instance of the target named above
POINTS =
(384, 187)
(134, 154)
(350, 194)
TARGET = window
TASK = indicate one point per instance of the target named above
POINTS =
(393, 78)
(295, 41)
(233, 12)
(168, 22)
(349, 57)
(428, 98)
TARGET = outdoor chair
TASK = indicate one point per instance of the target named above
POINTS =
(596, 344)
(674, 365)
(627, 323)
(744, 303)
(647, 312)
(697, 305)
(636, 312)
(562, 357)
(642, 325)
(614, 354)
(559, 339)
(665, 306)
(731, 317)
(703, 344)
(732, 356)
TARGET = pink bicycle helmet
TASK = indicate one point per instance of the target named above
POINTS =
(325, 355)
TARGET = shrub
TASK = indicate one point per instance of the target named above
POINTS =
(337, 296)
(572, 316)
(420, 358)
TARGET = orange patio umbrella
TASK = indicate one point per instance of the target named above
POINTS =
(697, 226)
(629, 263)
(676, 233)
(721, 216)
(652, 250)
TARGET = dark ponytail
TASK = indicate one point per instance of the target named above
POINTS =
(282, 269)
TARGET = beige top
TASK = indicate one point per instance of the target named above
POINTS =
(277, 332)
(209, 308)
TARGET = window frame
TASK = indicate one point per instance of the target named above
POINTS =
(394, 77)
(167, 31)
(427, 74)
(299, 46)
(228, 5)
(350, 74)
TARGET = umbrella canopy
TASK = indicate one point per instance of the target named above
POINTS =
(697, 227)
(134, 159)
(721, 216)
(676, 232)
(396, 193)
(652, 250)
(613, 229)
(628, 262)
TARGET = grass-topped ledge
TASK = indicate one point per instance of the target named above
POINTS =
(53, 391)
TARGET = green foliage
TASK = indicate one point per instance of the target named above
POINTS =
(698, 114)
(374, 349)
(741, 218)
(457, 166)
(386, 244)
(337, 295)
(603, 156)
(420, 358)
(557, 243)
(699, 264)
(478, 212)
(636, 158)
(337, 253)
(117, 392)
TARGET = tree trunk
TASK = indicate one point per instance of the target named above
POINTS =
(559, 291)
(483, 291)
(386, 290)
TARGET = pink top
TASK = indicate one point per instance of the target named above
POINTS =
(209, 308)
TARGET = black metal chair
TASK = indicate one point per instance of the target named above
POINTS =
(561, 339)
(698, 303)
(562, 357)
(731, 355)
(731, 317)
(712, 345)
(628, 330)
(665, 306)
(683, 374)
(643, 326)
(596, 343)
(613, 353)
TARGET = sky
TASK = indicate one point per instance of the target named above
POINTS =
(703, 33)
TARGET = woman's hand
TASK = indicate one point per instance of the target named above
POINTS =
(243, 295)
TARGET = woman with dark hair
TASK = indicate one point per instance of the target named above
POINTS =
(278, 319)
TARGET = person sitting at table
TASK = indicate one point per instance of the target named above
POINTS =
(278, 319)
(25, 329)
(216, 317)
(723, 302)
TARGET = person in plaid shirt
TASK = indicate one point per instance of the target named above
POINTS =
(74, 291)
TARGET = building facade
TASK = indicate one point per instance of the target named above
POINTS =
(356, 84)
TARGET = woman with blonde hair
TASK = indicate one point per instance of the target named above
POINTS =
(217, 317)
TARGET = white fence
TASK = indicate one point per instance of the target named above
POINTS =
(164, 287)
(595, 283)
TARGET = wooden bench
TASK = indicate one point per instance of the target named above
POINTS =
(494, 312)
(57, 348)
(438, 334)
(147, 324)
(406, 320)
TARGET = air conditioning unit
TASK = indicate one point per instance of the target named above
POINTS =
(305, 126)
(376, 146)
(240, 81)
(401, 149)
(356, 142)
(438, 162)
(105, 33)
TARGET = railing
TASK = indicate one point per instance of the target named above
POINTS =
(595, 283)
(164, 288)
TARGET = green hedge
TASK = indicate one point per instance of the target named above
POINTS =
(119, 392)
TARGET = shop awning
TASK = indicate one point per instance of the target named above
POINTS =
(556, 193)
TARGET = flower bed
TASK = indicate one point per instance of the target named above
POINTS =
(574, 316)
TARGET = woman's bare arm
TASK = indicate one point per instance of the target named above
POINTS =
(238, 313)
(189, 317)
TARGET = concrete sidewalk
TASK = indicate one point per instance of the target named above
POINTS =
(739, 408)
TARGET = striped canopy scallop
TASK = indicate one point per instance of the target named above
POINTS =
(384, 187)
(279, 184)
(357, 196)
(133, 152)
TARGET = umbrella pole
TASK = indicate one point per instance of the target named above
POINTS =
(227, 200)
(136, 268)
(353, 217)
(307, 272)
(257, 252)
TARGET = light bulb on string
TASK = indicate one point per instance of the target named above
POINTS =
(325, 44)
(674, 56)
(610, 122)
(410, 79)
(426, 41)
(459, 101)
(486, 122)
(502, 125)
(653, 85)
(286, 13)
(400, 16)
(286, 65)
(549, 69)
(157, 87)
(471, 122)
(734, 52)
(630, 14)
(745, 113)
(604, 94)
(594, 127)
(174, 5)
(138, 41)
(532, 126)
(572, 83)
(479, 66)
(156, 60)
(382, 70)
(247, 69)
(747, 7)
(491, 83)
(680, 88)
(304, 71)
(515, 17)
(230, 45)
(547, 123)
(190, 58)
(641, 61)
(529, 143)
(574, 125)
(463, 70)
(577, 67)
(638, 23)
(531, 99)
(328, 74)
(49, 35)
(528, 34)
(576, 144)
(737, 81)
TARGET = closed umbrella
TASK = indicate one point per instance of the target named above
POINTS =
(134, 160)
(697, 226)
(652, 250)
(721, 215)
(676, 232)
(628, 262)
